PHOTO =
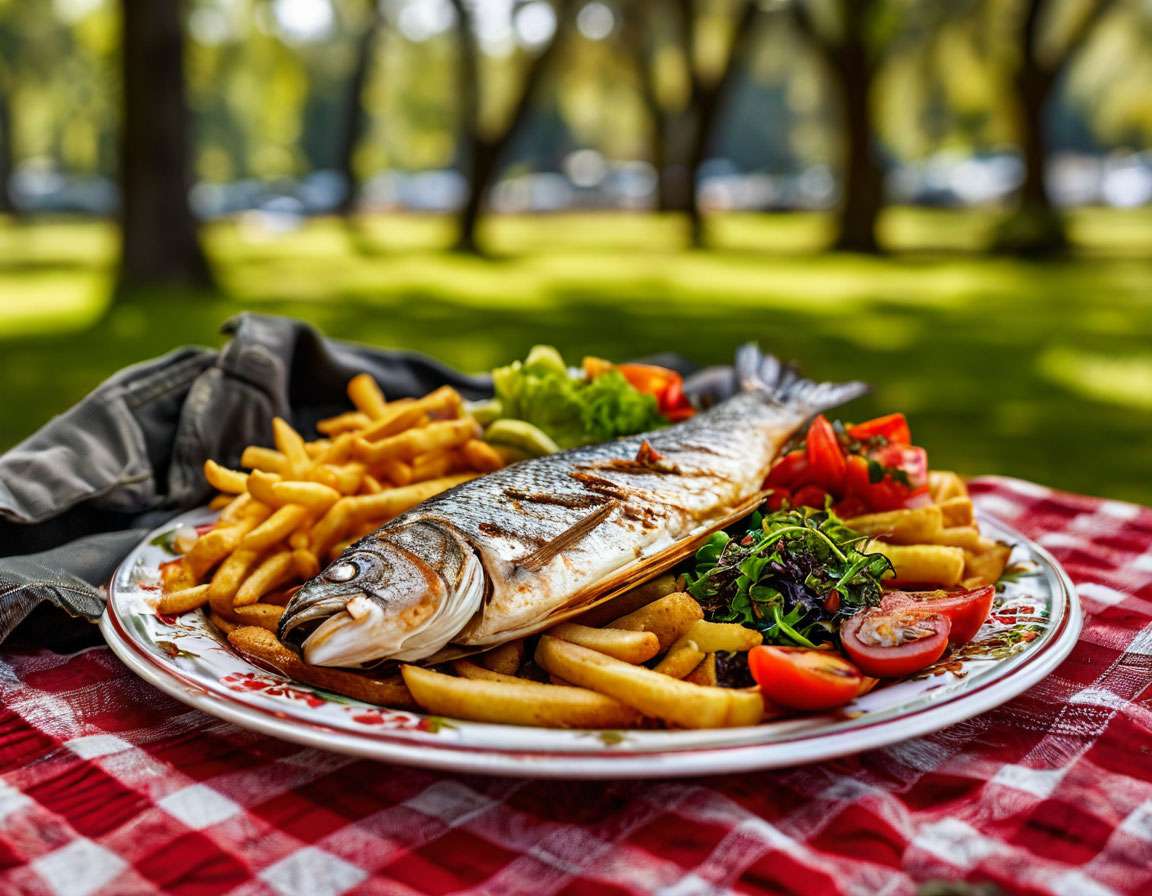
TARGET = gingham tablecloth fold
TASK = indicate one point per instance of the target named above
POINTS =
(109, 787)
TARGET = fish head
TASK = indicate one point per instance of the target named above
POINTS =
(401, 593)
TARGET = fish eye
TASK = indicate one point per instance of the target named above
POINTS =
(343, 572)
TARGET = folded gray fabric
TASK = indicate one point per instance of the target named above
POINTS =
(80, 493)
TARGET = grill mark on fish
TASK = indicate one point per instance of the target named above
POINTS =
(540, 557)
(572, 501)
(599, 484)
(499, 531)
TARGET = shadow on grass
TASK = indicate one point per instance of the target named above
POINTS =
(969, 373)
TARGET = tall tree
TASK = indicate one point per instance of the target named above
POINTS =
(160, 244)
(7, 154)
(483, 149)
(683, 133)
(355, 122)
(849, 49)
(1036, 227)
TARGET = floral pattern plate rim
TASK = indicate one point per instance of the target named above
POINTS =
(1034, 625)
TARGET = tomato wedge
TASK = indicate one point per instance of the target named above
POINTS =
(966, 610)
(893, 428)
(801, 678)
(825, 457)
(788, 471)
(891, 643)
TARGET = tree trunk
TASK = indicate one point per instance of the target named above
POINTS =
(711, 100)
(355, 122)
(7, 157)
(160, 245)
(486, 152)
(862, 175)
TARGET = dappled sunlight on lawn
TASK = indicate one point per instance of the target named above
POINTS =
(1005, 366)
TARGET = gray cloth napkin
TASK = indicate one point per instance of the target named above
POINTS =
(78, 495)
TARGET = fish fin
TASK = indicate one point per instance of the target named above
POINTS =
(782, 384)
(542, 555)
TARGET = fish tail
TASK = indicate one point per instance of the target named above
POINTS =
(782, 384)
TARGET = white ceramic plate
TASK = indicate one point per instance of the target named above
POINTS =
(1034, 624)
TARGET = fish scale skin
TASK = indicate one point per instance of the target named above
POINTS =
(719, 457)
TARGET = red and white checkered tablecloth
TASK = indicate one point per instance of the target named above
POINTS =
(109, 787)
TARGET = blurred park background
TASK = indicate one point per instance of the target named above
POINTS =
(949, 198)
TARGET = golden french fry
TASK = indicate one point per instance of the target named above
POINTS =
(183, 601)
(396, 471)
(313, 495)
(515, 702)
(261, 646)
(291, 445)
(944, 484)
(911, 526)
(348, 477)
(216, 544)
(667, 618)
(372, 485)
(681, 659)
(629, 601)
(343, 423)
(236, 509)
(958, 536)
(221, 502)
(264, 615)
(432, 466)
(367, 397)
(331, 528)
(304, 563)
(442, 434)
(506, 658)
(958, 512)
(229, 577)
(222, 479)
(273, 571)
(986, 565)
(339, 450)
(397, 417)
(225, 625)
(177, 576)
(711, 637)
(268, 460)
(468, 669)
(705, 673)
(444, 402)
(926, 564)
(275, 529)
(392, 501)
(481, 456)
(653, 694)
(260, 486)
(317, 449)
(629, 646)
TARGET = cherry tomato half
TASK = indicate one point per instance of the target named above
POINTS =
(810, 496)
(825, 457)
(889, 644)
(790, 470)
(892, 427)
(966, 610)
(801, 678)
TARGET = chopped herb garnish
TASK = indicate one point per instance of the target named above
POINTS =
(794, 576)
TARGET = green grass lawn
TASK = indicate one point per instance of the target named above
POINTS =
(1036, 370)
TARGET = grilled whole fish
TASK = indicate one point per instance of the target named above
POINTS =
(512, 552)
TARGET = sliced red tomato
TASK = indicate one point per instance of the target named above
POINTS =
(966, 610)
(810, 496)
(893, 428)
(826, 461)
(801, 678)
(650, 378)
(909, 459)
(788, 471)
(890, 644)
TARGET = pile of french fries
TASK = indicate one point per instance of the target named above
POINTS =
(303, 502)
(939, 544)
(653, 666)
